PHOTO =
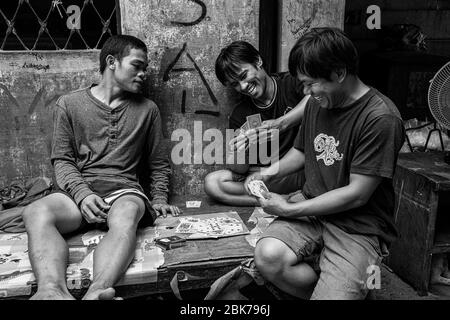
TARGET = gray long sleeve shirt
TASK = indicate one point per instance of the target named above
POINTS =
(92, 141)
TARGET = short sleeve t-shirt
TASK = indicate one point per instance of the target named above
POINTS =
(289, 94)
(362, 138)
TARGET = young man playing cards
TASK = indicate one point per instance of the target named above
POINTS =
(101, 135)
(348, 145)
(268, 104)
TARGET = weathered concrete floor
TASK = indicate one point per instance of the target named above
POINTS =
(394, 288)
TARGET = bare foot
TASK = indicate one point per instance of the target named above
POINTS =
(100, 294)
(51, 294)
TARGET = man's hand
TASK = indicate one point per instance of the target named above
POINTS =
(274, 124)
(261, 134)
(253, 176)
(275, 204)
(239, 143)
(94, 209)
(163, 208)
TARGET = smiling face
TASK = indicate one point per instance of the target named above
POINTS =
(250, 81)
(329, 94)
(130, 72)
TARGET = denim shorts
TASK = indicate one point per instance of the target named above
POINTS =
(347, 262)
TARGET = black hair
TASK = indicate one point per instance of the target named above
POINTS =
(238, 52)
(321, 51)
(119, 46)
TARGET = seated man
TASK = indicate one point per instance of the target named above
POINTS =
(348, 145)
(99, 136)
(278, 99)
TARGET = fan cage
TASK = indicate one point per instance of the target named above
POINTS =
(439, 96)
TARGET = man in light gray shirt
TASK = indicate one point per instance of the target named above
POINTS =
(103, 136)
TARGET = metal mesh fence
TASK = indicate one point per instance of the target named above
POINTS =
(57, 24)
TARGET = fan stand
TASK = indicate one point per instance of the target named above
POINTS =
(440, 137)
(428, 137)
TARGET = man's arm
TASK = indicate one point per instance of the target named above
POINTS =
(293, 161)
(353, 195)
(68, 176)
(290, 119)
(265, 131)
(159, 165)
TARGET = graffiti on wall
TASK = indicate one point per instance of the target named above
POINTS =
(171, 69)
(197, 21)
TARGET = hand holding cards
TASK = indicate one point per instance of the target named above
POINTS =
(258, 188)
(242, 140)
(254, 121)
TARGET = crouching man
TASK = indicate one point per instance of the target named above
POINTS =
(348, 145)
(102, 135)
(278, 99)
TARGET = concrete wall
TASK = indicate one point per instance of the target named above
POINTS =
(30, 83)
(297, 17)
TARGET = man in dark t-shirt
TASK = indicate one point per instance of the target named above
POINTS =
(348, 145)
(278, 100)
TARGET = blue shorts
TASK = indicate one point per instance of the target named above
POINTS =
(347, 262)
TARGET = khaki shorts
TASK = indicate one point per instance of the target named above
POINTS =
(346, 261)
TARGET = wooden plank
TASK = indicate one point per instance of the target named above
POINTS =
(268, 33)
(299, 16)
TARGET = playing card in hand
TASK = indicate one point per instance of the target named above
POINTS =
(257, 188)
(245, 127)
(254, 121)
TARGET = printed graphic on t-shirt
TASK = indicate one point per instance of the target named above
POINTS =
(328, 147)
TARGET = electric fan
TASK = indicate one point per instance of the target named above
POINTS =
(439, 101)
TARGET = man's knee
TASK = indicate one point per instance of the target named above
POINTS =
(125, 215)
(213, 182)
(38, 213)
(271, 256)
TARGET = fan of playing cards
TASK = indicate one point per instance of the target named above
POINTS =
(258, 188)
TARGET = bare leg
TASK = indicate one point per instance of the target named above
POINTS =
(279, 265)
(45, 220)
(220, 186)
(116, 250)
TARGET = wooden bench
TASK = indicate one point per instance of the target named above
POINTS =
(182, 263)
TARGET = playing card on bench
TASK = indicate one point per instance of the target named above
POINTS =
(254, 121)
